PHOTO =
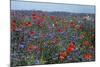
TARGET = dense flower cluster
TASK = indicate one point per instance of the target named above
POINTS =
(43, 38)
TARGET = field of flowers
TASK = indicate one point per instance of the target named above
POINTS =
(39, 37)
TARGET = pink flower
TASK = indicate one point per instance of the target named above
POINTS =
(81, 36)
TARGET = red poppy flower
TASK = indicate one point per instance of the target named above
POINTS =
(39, 20)
(61, 58)
(62, 55)
(28, 24)
(52, 17)
(32, 48)
(34, 18)
(88, 56)
(13, 25)
(32, 33)
(70, 48)
(86, 43)
(72, 24)
(33, 14)
(59, 30)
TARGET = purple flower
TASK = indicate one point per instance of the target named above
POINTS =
(37, 61)
(69, 58)
(22, 45)
(51, 35)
